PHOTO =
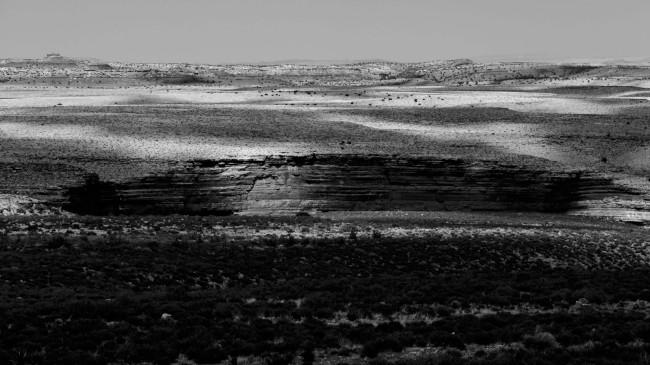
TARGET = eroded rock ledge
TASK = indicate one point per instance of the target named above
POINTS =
(291, 184)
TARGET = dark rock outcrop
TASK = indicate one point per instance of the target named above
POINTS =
(290, 184)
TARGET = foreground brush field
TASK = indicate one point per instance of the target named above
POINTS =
(337, 288)
(317, 287)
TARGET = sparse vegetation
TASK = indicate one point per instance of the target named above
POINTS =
(318, 288)
(211, 296)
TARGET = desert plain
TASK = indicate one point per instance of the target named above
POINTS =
(369, 213)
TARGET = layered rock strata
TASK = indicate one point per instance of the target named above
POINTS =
(290, 184)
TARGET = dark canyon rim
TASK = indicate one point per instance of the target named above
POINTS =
(294, 184)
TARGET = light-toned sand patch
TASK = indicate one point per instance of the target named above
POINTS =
(514, 138)
(98, 140)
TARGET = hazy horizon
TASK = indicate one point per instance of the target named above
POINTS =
(255, 31)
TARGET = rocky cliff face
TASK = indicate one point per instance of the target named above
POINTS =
(271, 185)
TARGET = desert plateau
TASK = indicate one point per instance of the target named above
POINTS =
(384, 213)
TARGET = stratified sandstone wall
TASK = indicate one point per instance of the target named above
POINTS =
(288, 184)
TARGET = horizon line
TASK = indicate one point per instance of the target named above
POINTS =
(510, 58)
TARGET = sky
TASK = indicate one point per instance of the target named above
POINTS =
(250, 31)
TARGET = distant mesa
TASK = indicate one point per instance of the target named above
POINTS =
(56, 58)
